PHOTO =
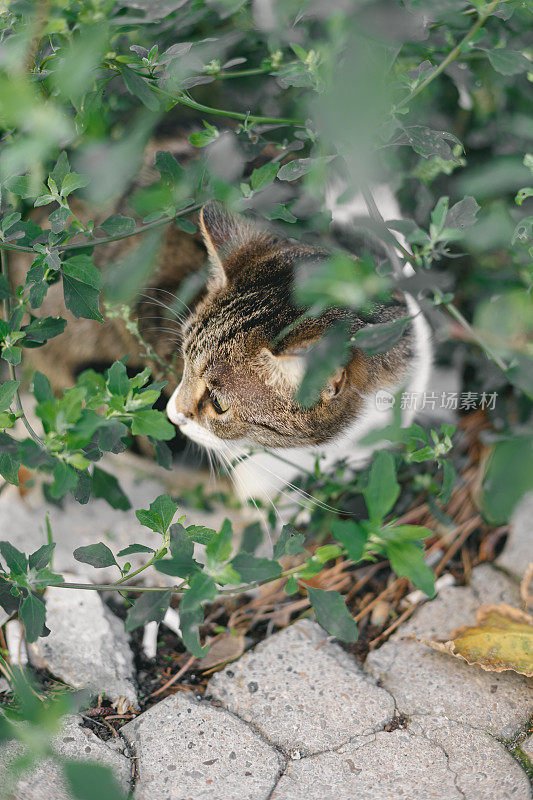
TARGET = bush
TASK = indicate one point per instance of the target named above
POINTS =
(282, 99)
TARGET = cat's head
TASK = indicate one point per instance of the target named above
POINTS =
(246, 348)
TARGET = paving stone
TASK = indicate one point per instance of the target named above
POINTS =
(46, 782)
(518, 550)
(187, 748)
(491, 585)
(387, 766)
(87, 645)
(423, 680)
(303, 695)
(484, 768)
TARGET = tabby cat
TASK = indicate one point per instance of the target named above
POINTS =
(246, 346)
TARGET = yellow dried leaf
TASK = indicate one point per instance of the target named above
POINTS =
(501, 640)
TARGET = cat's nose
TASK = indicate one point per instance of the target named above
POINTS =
(175, 416)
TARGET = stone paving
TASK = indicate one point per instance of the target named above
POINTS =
(297, 718)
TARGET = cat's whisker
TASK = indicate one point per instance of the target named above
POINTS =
(298, 491)
(156, 302)
(174, 314)
(173, 295)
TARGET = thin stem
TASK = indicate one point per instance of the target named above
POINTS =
(108, 239)
(178, 589)
(156, 556)
(16, 400)
(252, 119)
(452, 55)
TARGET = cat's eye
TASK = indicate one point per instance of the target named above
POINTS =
(219, 405)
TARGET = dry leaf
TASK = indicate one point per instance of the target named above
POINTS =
(526, 590)
(227, 648)
(501, 640)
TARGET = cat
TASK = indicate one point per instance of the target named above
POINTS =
(247, 345)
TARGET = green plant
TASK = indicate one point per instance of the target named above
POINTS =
(439, 109)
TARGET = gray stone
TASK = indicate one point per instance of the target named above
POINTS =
(518, 551)
(484, 768)
(491, 585)
(46, 781)
(190, 749)
(423, 680)
(387, 766)
(87, 645)
(435, 759)
(303, 695)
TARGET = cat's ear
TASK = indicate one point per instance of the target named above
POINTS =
(224, 233)
(287, 370)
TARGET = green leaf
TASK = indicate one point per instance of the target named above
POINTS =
(220, 547)
(40, 330)
(252, 536)
(380, 338)
(9, 603)
(81, 299)
(12, 354)
(383, 489)
(135, 548)
(201, 534)
(150, 422)
(159, 515)
(508, 478)
(32, 614)
(41, 388)
(449, 478)
(72, 182)
(205, 137)
(107, 487)
(41, 557)
(167, 165)
(300, 166)
(202, 588)
(351, 535)
(91, 781)
(331, 613)
(97, 555)
(428, 143)
(321, 361)
(8, 390)
(462, 215)
(58, 220)
(60, 170)
(9, 468)
(16, 561)
(140, 88)
(407, 560)
(252, 569)
(289, 543)
(117, 380)
(182, 563)
(149, 607)
(117, 224)
(508, 62)
(264, 175)
(406, 533)
(82, 269)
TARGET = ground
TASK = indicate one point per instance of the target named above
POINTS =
(297, 715)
